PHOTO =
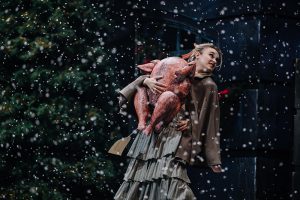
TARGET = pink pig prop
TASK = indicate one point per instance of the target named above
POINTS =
(176, 75)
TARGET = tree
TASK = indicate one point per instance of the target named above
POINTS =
(57, 91)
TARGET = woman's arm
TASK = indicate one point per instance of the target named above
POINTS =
(128, 92)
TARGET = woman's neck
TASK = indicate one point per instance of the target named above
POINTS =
(201, 75)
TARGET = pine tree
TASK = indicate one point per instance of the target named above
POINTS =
(57, 93)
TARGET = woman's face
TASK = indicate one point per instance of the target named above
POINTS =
(207, 60)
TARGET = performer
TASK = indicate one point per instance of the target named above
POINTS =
(157, 169)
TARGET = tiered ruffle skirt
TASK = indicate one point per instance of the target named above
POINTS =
(154, 172)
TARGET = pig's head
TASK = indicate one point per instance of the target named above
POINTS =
(187, 71)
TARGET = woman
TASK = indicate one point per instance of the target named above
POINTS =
(157, 169)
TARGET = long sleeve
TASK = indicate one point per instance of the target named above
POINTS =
(205, 115)
(127, 92)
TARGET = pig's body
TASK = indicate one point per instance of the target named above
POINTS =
(177, 74)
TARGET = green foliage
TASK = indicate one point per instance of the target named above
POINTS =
(57, 93)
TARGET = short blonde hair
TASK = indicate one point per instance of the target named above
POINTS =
(199, 48)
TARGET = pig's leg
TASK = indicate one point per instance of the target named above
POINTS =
(167, 119)
(141, 107)
(167, 106)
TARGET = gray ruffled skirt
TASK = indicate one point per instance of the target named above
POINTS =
(154, 172)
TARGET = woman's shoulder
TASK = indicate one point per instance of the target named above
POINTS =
(209, 81)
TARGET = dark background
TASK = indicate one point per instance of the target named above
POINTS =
(62, 63)
(260, 43)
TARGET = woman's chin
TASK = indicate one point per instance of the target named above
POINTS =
(208, 70)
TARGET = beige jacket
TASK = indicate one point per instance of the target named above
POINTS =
(201, 144)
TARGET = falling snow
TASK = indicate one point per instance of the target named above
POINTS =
(63, 64)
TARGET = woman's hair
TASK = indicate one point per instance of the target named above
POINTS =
(199, 48)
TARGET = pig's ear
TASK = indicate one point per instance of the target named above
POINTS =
(148, 67)
(187, 56)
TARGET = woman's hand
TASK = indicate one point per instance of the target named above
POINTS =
(183, 125)
(155, 86)
(216, 168)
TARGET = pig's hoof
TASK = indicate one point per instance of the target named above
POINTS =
(141, 127)
(158, 127)
(147, 131)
